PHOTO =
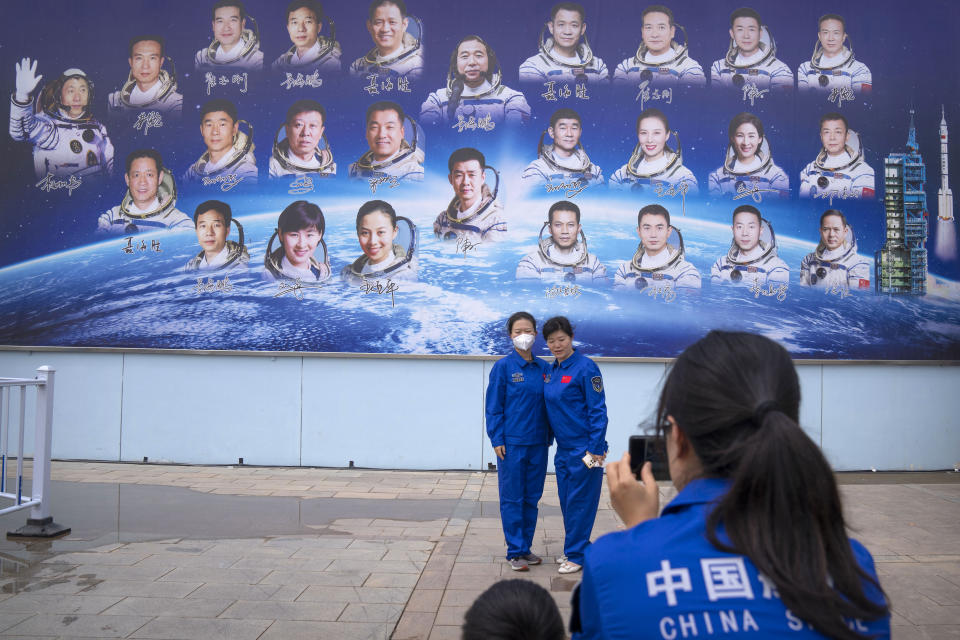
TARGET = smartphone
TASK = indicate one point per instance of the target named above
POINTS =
(644, 448)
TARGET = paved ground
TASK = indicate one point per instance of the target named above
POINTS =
(236, 553)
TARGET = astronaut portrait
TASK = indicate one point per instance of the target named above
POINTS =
(474, 89)
(151, 199)
(748, 164)
(387, 252)
(839, 169)
(149, 87)
(310, 50)
(390, 152)
(835, 263)
(304, 149)
(396, 52)
(564, 54)
(659, 259)
(474, 214)
(229, 150)
(564, 159)
(752, 259)
(660, 59)
(299, 232)
(234, 45)
(653, 163)
(562, 254)
(833, 65)
(751, 58)
(212, 220)
(67, 139)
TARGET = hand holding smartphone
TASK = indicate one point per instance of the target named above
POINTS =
(644, 448)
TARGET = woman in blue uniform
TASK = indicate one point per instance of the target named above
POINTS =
(577, 409)
(520, 436)
(754, 544)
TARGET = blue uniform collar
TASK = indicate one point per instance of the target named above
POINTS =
(569, 361)
(519, 359)
(699, 491)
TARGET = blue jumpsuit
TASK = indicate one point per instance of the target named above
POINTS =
(663, 579)
(516, 419)
(576, 406)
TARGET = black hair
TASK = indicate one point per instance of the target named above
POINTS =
(465, 154)
(301, 215)
(385, 105)
(453, 100)
(568, 6)
(153, 154)
(833, 212)
(520, 315)
(565, 113)
(563, 205)
(372, 207)
(832, 16)
(653, 210)
(746, 12)
(213, 205)
(833, 115)
(376, 4)
(513, 609)
(657, 8)
(220, 4)
(736, 399)
(312, 5)
(744, 118)
(749, 208)
(653, 112)
(219, 104)
(557, 323)
(151, 38)
(302, 106)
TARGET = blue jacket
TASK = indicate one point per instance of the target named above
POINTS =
(576, 404)
(663, 579)
(514, 403)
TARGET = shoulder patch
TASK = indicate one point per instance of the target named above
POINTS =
(597, 383)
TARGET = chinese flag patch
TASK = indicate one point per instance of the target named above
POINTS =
(868, 193)
(863, 284)
(565, 379)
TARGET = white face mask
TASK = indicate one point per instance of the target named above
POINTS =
(524, 341)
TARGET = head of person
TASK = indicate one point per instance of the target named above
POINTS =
(729, 408)
(218, 125)
(558, 332)
(304, 22)
(229, 21)
(474, 61)
(833, 133)
(467, 175)
(568, 23)
(385, 129)
(745, 26)
(513, 609)
(300, 229)
(304, 127)
(387, 23)
(653, 227)
(833, 229)
(376, 230)
(831, 30)
(746, 227)
(75, 92)
(564, 219)
(521, 323)
(146, 59)
(143, 175)
(746, 135)
(658, 28)
(565, 129)
(211, 219)
(653, 129)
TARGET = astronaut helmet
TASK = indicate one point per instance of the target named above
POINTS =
(765, 238)
(545, 151)
(766, 44)
(412, 143)
(166, 189)
(818, 53)
(674, 247)
(51, 102)
(410, 44)
(545, 242)
(297, 217)
(167, 79)
(236, 249)
(546, 42)
(675, 158)
(456, 79)
(679, 50)
(396, 253)
(852, 145)
(322, 153)
(249, 38)
(849, 242)
(488, 196)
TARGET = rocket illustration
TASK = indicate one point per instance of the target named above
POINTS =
(945, 242)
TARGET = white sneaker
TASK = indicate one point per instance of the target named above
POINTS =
(569, 567)
(561, 559)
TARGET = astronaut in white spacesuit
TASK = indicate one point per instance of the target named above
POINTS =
(752, 56)
(149, 87)
(211, 220)
(833, 65)
(839, 170)
(67, 140)
(310, 51)
(652, 162)
(835, 264)
(562, 256)
(151, 199)
(660, 60)
(300, 153)
(378, 229)
(234, 46)
(474, 215)
(566, 158)
(752, 259)
(300, 230)
(229, 153)
(749, 163)
(396, 53)
(474, 89)
(563, 57)
(657, 262)
(390, 154)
